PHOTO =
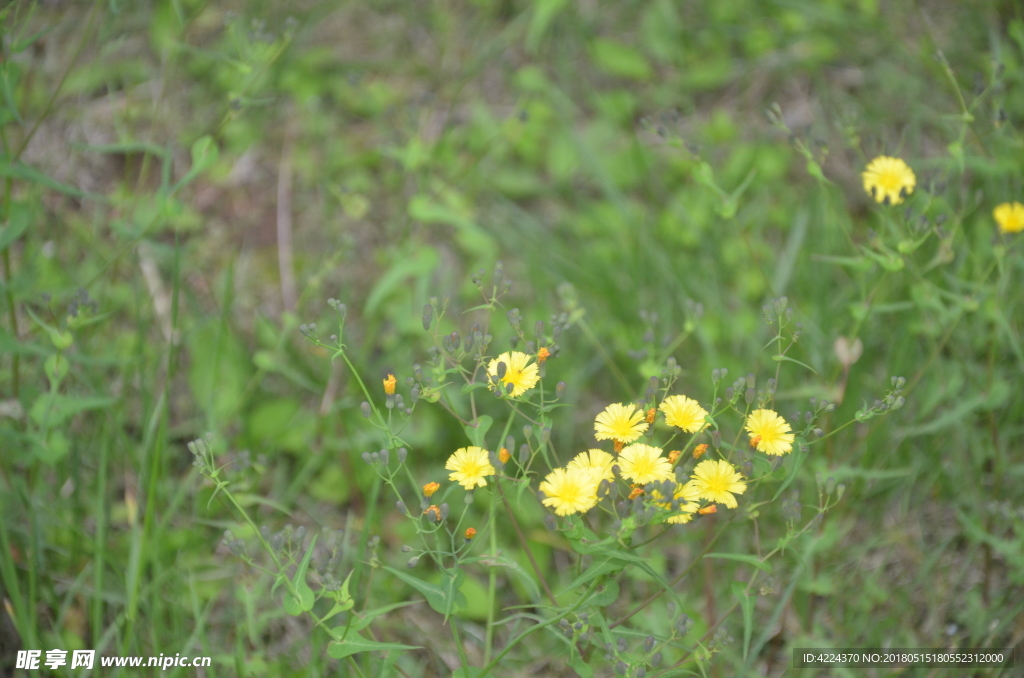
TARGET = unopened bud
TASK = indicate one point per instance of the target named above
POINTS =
(400, 505)
(412, 562)
(748, 396)
(560, 390)
(401, 454)
(364, 407)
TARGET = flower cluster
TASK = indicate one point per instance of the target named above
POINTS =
(577, 488)
(890, 180)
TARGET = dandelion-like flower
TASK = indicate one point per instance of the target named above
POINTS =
(686, 496)
(594, 460)
(622, 423)
(519, 371)
(888, 180)
(570, 491)
(470, 533)
(686, 413)
(717, 480)
(430, 488)
(469, 465)
(1010, 217)
(644, 464)
(769, 432)
(389, 385)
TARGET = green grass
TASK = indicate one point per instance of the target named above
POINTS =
(665, 169)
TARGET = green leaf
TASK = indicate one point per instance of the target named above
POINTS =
(364, 619)
(440, 598)
(747, 604)
(204, 156)
(20, 170)
(580, 667)
(354, 644)
(304, 602)
(619, 59)
(799, 457)
(743, 558)
(782, 358)
(420, 263)
(54, 409)
(17, 223)
(477, 433)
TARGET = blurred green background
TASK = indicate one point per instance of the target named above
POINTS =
(186, 182)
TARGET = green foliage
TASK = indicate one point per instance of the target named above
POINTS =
(652, 174)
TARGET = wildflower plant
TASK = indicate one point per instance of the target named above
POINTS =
(653, 468)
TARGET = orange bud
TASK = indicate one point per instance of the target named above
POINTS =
(470, 533)
(673, 456)
(637, 491)
(700, 450)
(543, 354)
(504, 455)
(754, 441)
(708, 509)
(389, 385)
(430, 488)
(618, 446)
(650, 415)
(433, 511)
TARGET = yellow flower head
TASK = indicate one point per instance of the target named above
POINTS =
(623, 423)
(389, 385)
(686, 413)
(1010, 217)
(717, 480)
(430, 488)
(644, 464)
(519, 372)
(504, 455)
(888, 180)
(570, 490)
(470, 533)
(469, 465)
(686, 496)
(769, 432)
(594, 460)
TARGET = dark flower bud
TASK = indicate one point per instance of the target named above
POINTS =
(748, 396)
(560, 388)
(444, 511)
(412, 562)
(648, 643)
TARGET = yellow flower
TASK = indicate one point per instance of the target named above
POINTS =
(570, 490)
(519, 372)
(686, 413)
(470, 533)
(644, 464)
(469, 465)
(504, 455)
(389, 385)
(623, 423)
(769, 432)
(888, 180)
(430, 488)
(686, 496)
(717, 480)
(594, 460)
(1010, 217)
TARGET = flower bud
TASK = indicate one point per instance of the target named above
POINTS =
(365, 409)
(366, 458)
(412, 562)
(648, 643)
(524, 454)
(444, 511)
(400, 505)
(384, 457)
(401, 454)
(560, 390)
